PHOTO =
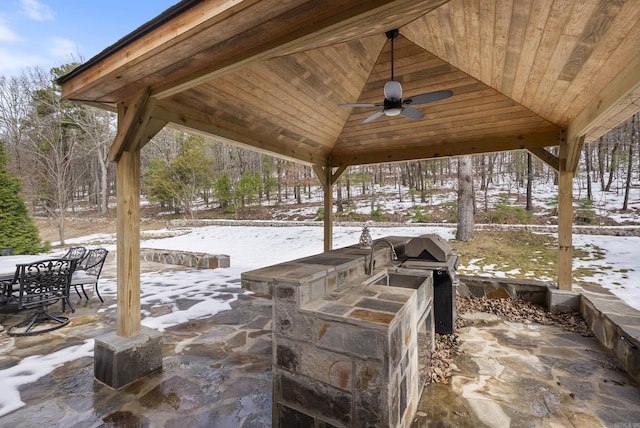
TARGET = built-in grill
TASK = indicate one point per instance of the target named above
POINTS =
(431, 252)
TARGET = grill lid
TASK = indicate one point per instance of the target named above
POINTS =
(428, 247)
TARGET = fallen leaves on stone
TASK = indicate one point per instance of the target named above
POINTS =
(446, 346)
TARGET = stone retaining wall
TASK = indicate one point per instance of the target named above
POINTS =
(633, 230)
(615, 324)
(185, 258)
(492, 288)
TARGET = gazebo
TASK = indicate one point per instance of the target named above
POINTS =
(270, 75)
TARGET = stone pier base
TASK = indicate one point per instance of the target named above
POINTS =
(118, 361)
(562, 301)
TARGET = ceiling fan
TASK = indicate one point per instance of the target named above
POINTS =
(393, 104)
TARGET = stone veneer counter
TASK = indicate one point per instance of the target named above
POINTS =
(346, 351)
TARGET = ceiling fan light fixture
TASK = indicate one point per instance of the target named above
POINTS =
(393, 90)
(393, 111)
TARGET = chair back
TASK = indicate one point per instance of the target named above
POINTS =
(7, 282)
(93, 261)
(44, 282)
(75, 253)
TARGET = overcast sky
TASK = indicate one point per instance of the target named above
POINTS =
(49, 33)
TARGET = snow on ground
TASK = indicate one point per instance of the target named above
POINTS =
(252, 247)
(32, 368)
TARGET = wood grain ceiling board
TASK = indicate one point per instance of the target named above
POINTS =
(551, 56)
(242, 32)
(270, 74)
(476, 111)
(298, 93)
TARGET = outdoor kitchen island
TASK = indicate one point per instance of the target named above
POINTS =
(348, 349)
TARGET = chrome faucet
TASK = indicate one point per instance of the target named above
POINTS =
(394, 256)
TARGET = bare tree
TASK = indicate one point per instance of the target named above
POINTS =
(587, 162)
(99, 129)
(51, 140)
(529, 182)
(632, 136)
(15, 104)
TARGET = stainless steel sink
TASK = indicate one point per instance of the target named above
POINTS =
(398, 279)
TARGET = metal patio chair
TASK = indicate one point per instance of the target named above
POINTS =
(75, 253)
(42, 284)
(88, 271)
(7, 282)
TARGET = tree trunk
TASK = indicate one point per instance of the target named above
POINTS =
(612, 167)
(587, 162)
(627, 187)
(601, 152)
(465, 199)
(339, 207)
(373, 196)
(529, 182)
(103, 197)
(60, 221)
(279, 175)
(423, 196)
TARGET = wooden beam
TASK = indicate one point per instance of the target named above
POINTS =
(489, 145)
(321, 172)
(135, 126)
(624, 89)
(574, 151)
(192, 120)
(128, 243)
(549, 158)
(324, 175)
(338, 173)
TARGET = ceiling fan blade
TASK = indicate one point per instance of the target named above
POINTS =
(428, 97)
(393, 90)
(374, 116)
(360, 105)
(412, 113)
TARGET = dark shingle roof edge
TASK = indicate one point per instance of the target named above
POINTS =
(141, 31)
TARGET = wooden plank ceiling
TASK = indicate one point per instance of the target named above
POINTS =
(270, 74)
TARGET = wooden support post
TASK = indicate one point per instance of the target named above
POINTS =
(565, 222)
(327, 179)
(328, 216)
(128, 246)
(324, 175)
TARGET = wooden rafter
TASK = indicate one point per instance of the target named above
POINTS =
(549, 158)
(135, 124)
(444, 150)
(326, 178)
